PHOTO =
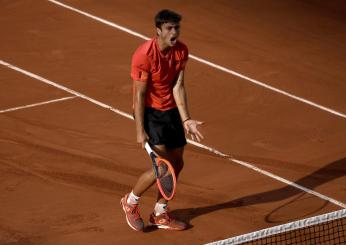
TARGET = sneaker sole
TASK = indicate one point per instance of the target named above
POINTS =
(122, 205)
(165, 227)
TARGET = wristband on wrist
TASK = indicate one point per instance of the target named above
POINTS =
(189, 118)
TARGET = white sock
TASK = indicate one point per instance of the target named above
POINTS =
(132, 199)
(160, 208)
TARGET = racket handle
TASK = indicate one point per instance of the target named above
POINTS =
(152, 156)
(151, 153)
(148, 148)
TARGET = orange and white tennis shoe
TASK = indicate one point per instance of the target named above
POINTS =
(133, 217)
(165, 221)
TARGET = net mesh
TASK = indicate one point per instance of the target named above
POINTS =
(328, 228)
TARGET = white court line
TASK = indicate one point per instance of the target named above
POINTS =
(124, 114)
(8, 65)
(37, 104)
(218, 67)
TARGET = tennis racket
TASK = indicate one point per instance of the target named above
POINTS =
(164, 173)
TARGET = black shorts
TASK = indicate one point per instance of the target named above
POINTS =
(164, 127)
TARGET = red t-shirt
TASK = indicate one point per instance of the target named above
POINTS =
(159, 71)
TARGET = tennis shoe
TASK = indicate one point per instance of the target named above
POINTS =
(165, 221)
(133, 217)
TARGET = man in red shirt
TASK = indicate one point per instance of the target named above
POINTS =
(161, 113)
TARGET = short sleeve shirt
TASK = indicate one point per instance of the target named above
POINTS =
(159, 71)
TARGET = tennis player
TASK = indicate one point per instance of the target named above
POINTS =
(161, 113)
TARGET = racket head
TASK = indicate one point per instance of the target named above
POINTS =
(165, 178)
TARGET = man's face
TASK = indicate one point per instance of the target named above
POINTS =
(169, 33)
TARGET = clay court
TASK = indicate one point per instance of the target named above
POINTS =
(267, 78)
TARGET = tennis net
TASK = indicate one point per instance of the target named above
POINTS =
(324, 229)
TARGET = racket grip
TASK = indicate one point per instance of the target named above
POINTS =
(148, 148)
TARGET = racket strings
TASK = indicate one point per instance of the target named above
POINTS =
(165, 178)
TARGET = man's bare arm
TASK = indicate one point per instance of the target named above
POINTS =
(180, 97)
(139, 106)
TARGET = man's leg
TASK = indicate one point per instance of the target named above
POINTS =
(147, 179)
(130, 201)
(160, 217)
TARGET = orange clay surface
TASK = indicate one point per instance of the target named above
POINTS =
(64, 166)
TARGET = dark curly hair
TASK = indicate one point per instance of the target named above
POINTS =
(166, 16)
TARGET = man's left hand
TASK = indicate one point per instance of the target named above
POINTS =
(191, 127)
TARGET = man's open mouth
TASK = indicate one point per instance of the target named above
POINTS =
(173, 40)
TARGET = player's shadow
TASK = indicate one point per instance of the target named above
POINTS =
(328, 173)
